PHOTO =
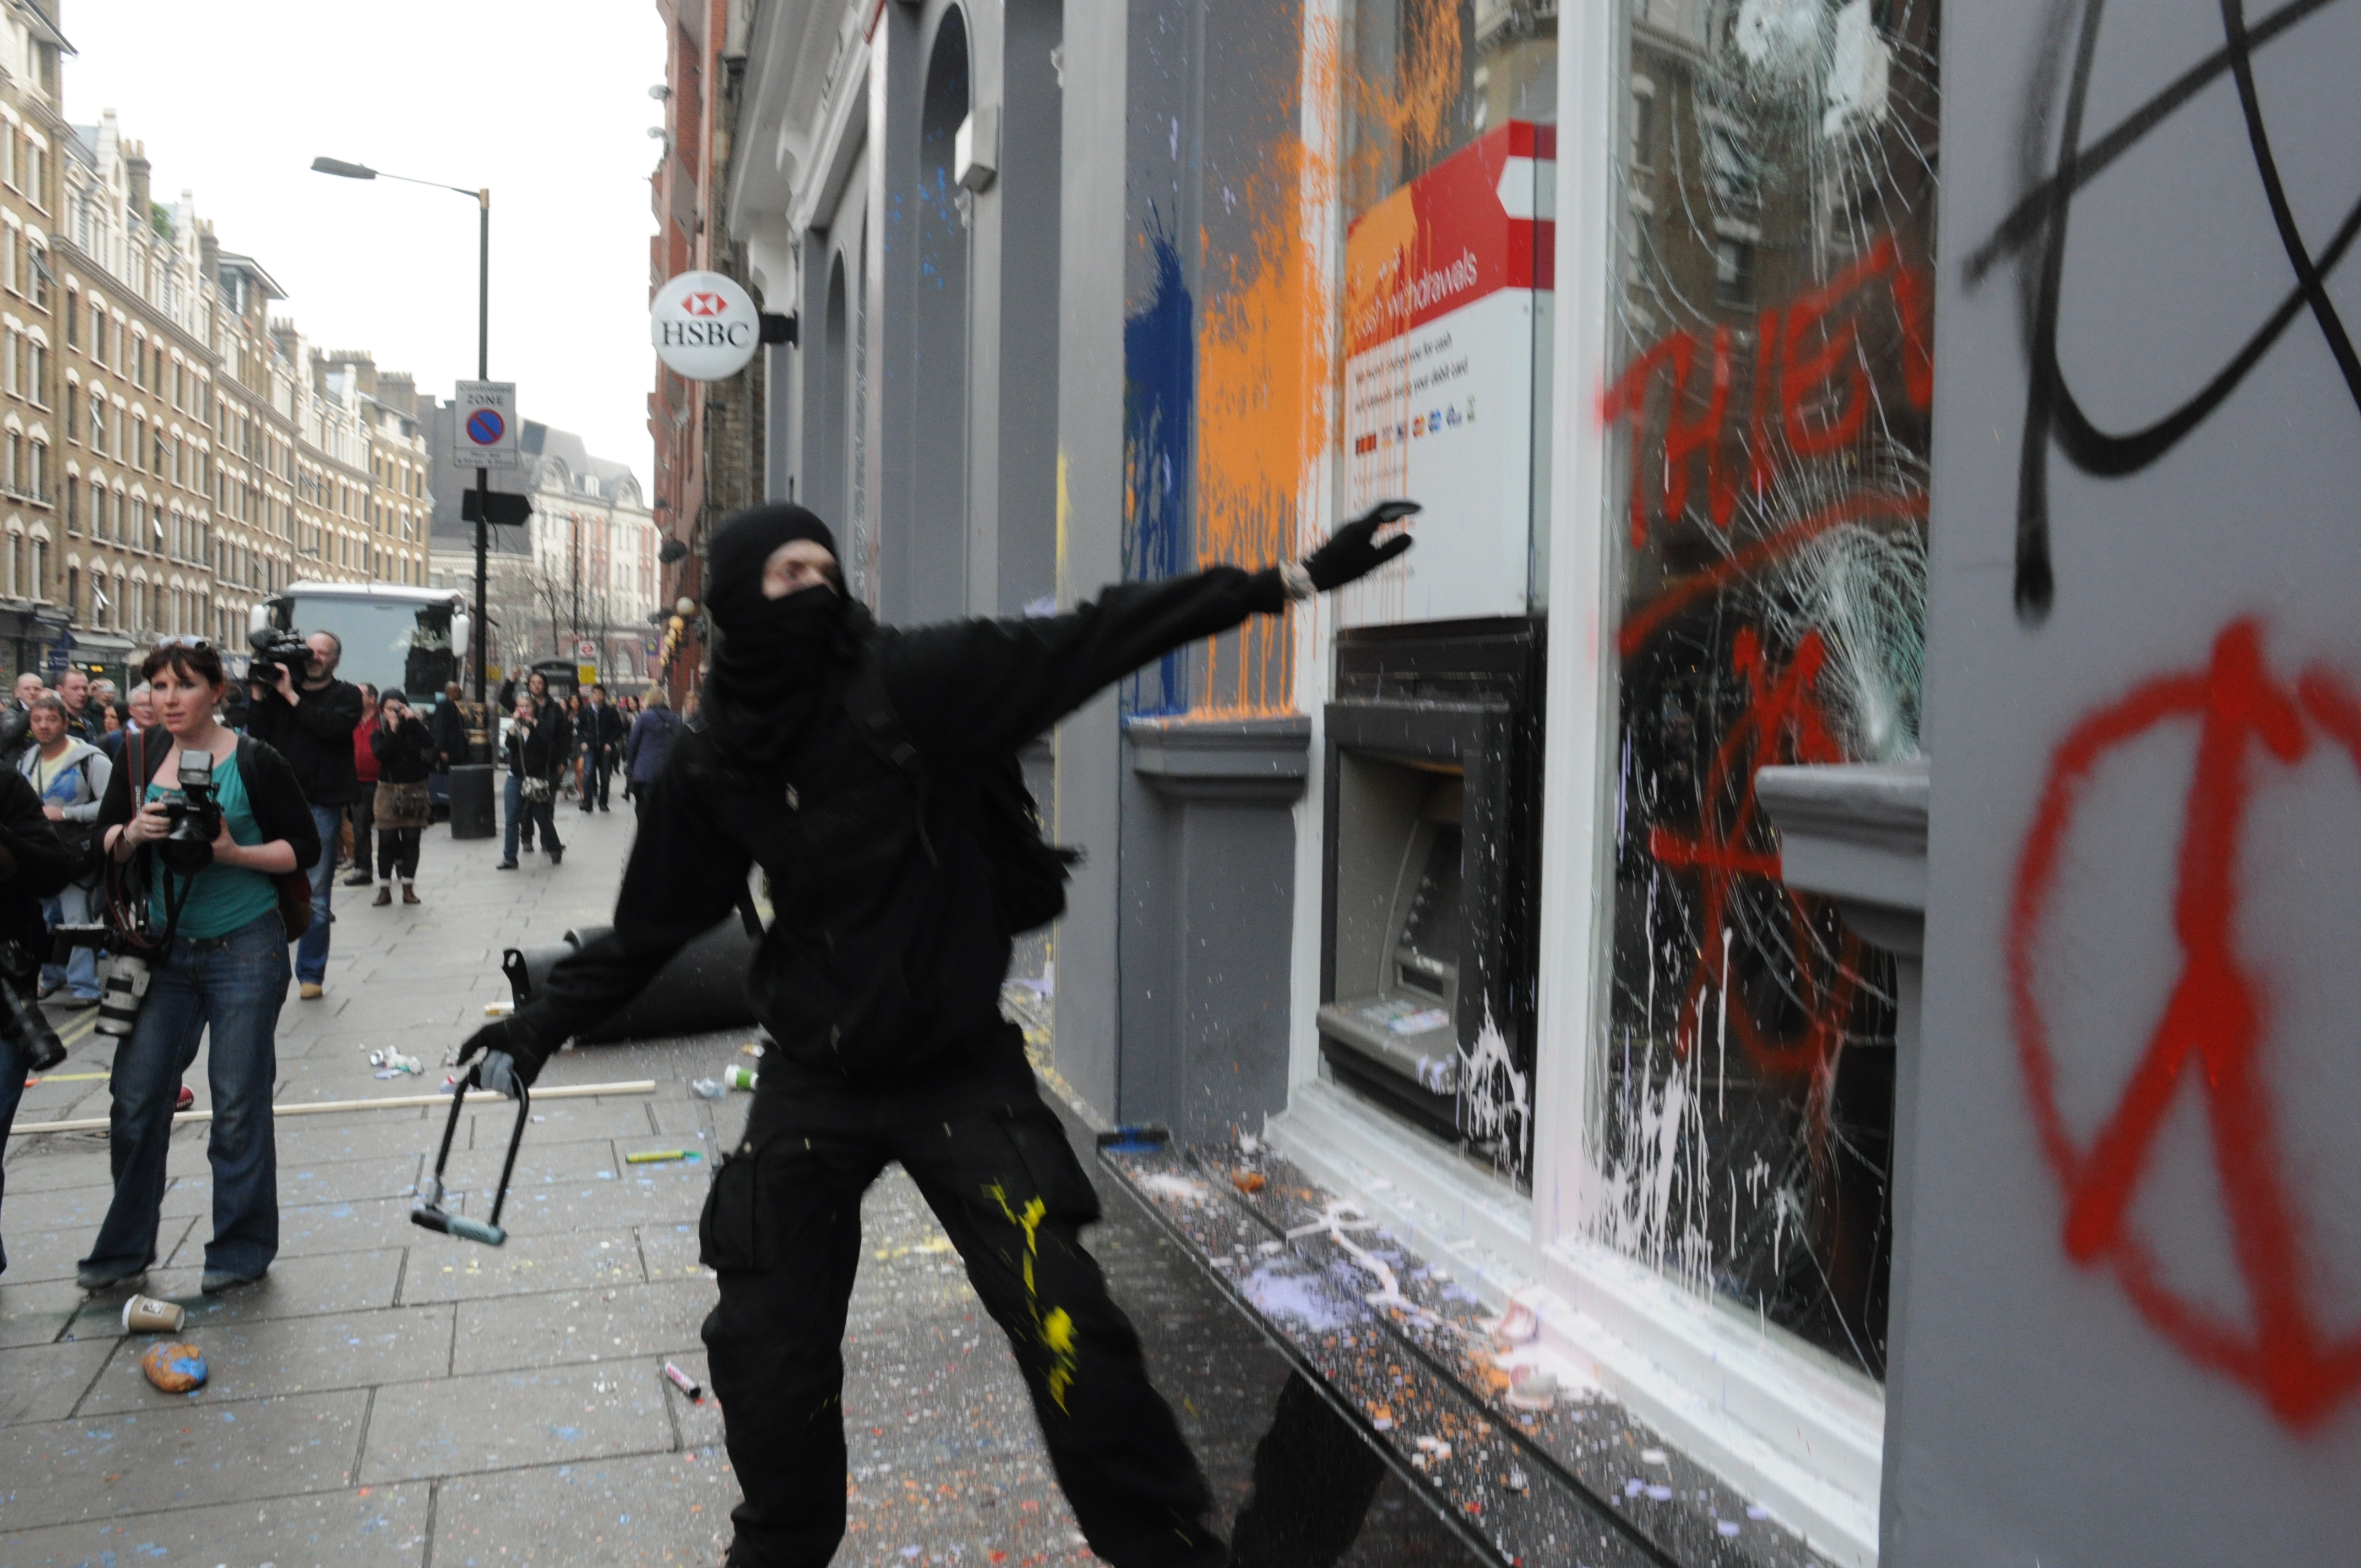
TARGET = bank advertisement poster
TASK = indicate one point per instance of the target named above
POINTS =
(1446, 306)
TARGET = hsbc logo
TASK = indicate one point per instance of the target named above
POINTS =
(704, 325)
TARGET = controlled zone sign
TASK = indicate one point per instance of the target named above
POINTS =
(486, 428)
(704, 325)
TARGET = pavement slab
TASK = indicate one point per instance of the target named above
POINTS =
(186, 1454)
(498, 1420)
(364, 1527)
(650, 1508)
(506, 1333)
(43, 1383)
(450, 1270)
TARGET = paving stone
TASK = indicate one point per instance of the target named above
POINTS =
(189, 1454)
(250, 1360)
(322, 1228)
(673, 1197)
(505, 1333)
(500, 1419)
(56, 1164)
(43, 1383)
(37, 1314)
(295, 1288)
(368, 1526)
(452, 1270)
(656, 1509)
(670, 1251)
(588, 1159)
(54, 1254)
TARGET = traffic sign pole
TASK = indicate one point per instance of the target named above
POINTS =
(483, 638)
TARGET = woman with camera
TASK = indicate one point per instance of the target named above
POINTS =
(538, 745)
(405, 755)
(222, 821)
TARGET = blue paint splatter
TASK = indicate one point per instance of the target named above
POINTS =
(1160, 417)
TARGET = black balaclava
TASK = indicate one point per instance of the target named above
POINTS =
(774, 654)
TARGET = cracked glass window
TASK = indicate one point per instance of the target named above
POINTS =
(1769, 422)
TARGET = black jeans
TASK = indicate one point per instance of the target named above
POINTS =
(782, 1227)
(397, 852)
(363, 814)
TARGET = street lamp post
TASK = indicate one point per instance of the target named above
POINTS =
(344, 170)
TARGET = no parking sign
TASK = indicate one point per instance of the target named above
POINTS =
(486, 436)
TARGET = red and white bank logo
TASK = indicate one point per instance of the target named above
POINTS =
(704, 325)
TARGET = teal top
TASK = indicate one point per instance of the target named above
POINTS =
(221, 898)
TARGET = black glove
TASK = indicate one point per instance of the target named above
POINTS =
(507, 1051)
(1352, 552)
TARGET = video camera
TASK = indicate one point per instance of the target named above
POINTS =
(273, 646)
(196, 820)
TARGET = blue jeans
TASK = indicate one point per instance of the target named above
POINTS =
(12, 1089)
(597, 769)
(539, 817)
(234, 984)
(311, 952)
(80, 971)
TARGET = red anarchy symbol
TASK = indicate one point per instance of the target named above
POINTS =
(2214, 1020)
(1781, 724)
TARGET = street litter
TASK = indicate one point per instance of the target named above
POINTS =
(147, 1315)
(709, 1089)
(658, 1156)
(394, 1061)
(683, 1382)
(738, 1077)
(174, 1367)
(1531, 1388)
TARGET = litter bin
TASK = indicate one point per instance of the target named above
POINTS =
(471, 801)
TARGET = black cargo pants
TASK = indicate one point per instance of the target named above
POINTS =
(782, 1228)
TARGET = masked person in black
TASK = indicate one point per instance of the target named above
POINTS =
(865, 771)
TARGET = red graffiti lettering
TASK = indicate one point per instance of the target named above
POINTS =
(2213, 1021)
(1810, 388)
(1782, 723)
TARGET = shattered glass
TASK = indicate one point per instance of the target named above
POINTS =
(1770, 429)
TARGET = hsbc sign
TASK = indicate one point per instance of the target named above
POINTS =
(704, 325)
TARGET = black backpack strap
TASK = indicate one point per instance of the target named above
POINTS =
(871, 707)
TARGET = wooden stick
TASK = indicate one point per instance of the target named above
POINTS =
(321, 1107)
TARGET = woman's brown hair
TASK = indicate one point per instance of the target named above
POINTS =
(198, 661)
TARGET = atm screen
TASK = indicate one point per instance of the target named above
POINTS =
(1405, 1026)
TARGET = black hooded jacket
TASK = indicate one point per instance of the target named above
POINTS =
(895, 960)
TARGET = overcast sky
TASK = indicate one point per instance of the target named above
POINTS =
(544, 100)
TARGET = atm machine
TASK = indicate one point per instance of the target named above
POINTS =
(1431, 860)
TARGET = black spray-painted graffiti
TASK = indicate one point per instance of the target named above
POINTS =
(2037, 225)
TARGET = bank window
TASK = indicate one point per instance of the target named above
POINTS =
(1768, 421)
(1447, 148)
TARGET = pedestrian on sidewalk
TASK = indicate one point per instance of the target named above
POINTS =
(139, 714)
(450, 729)
(73, 691)
(543, 703)
(360, 816)
(404, 752)
(15, 719)
(873, 775)
(70, 774)
(221, 970)
(653, 733)
(539, 744)
(602, 737)
(312, 724)
(34, 864)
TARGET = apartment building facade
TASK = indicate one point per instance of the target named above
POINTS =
(33, 135)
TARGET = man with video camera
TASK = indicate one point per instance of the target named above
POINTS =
(309, 715)
(873, 775)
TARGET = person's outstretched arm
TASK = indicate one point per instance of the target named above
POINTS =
(988, 686)
(684, 876)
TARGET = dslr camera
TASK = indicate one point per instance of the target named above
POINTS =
(196, 817)
(275, 647)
